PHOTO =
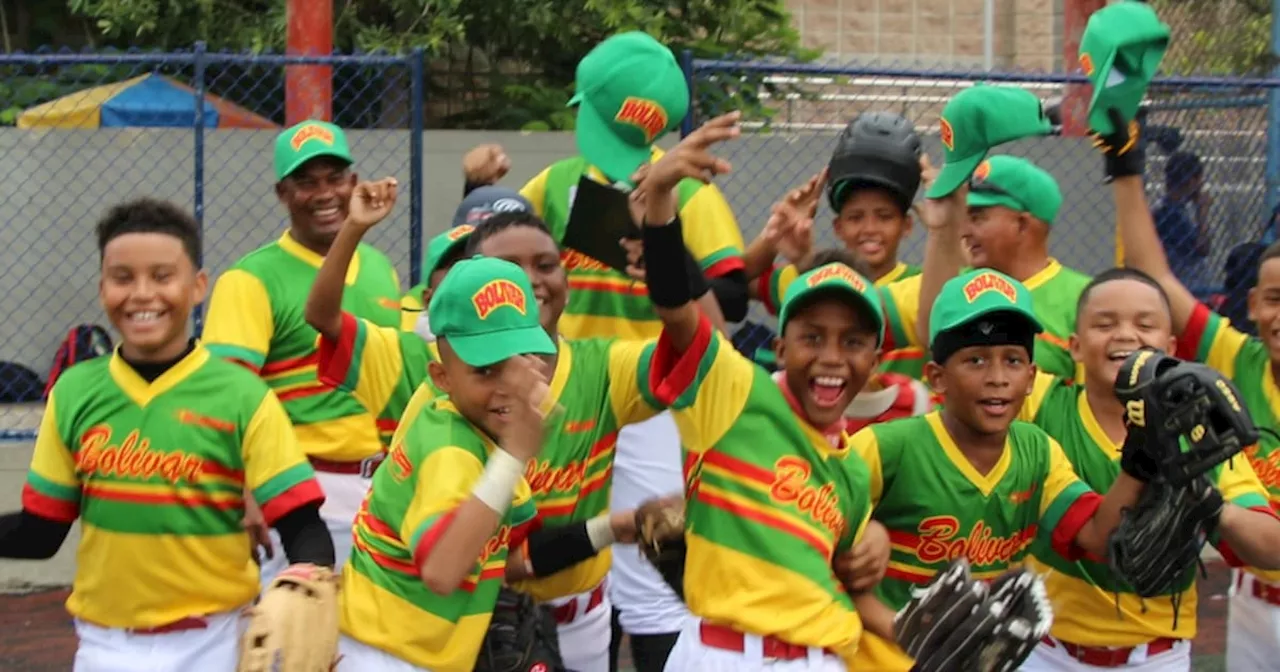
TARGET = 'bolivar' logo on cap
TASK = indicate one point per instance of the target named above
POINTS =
(496, 294)
(838, 272)
(310, 132)
(458, 232)
(982, 172)
(1086, 64)
(644, 114)
(948, 136)
(989, 282)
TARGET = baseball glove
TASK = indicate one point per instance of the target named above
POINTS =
(1169, 401)
(660, 535)
(1158, 541)
(957, 623)
(521, 637)
(294, 625)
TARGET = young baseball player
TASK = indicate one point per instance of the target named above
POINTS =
(256, 318)
(1253, 625)
(994, 483)
(432, 537)
(150, 451)
(594, 381)
(773, 492)
(443, 250)
(1098, 621)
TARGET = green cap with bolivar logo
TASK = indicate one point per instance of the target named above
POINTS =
(630, 91)
(308, 140)
(833, 279)
(980, 293)
(485, 310)
(440, 246)
(977, 119)
(1016, 184)
(1120, 50)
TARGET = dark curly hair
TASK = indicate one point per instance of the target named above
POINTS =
(150, 215)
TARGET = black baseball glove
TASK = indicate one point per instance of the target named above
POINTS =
(1159, 540)
(1169, 402)
(1123, 149)
(521, 637)
(956, 623)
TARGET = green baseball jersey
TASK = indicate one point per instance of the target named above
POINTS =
(156, 472)
(1210, 338)
(603, 302)
(415, 495)
(1085, 591)
(771, 500)
(256, 317)
(1054, 292)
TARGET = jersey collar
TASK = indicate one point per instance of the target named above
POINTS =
(309, 257)
(986, 484)
(1043, 275)
(891, 276)
(833, 435)
(1094, 428)
(139, 390)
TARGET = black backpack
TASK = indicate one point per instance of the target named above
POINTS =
(83, 342)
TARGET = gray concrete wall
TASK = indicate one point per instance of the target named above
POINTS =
(54, 184)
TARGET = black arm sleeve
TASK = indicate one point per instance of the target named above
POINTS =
(730, 291)
(26, 536)
(552, 549)
(305, 537)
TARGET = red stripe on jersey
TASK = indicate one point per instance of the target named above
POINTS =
(724, 267)
(767, 520)
(429, 538)
(763, 284)
(386, 561)
(739, 468)
(49, 508)
(304, 391)
(603, 445)
(334, 358)
(635, 288)
(1193, 333)
(672, 372)
(1069, 526)
(299, 495)
(272, 368)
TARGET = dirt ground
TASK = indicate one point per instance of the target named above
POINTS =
(36, 634)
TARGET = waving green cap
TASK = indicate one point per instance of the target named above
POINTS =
(977, 119)
(1120, 51)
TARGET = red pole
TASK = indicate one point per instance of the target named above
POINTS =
(308, 89)
(1075, 102)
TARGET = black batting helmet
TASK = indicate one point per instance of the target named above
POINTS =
(878, 149)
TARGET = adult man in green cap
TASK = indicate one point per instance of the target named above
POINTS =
(256, 319)
(630, 92)
(1013, 205)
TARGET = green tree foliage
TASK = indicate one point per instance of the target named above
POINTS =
(496, 63)
(1217, 37)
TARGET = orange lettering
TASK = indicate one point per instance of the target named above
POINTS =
(574, 260)
(938, 542)
(133, 458)
(544, 478)
(401, 467)
(644, 114)
(836, 271)
(495, 294)
(791, 486)
(983, 171)
(310, 132)
(1086, 64)
(989, 282)
(948, 137)
(495, 545)
(1267, 467)
(459, 231)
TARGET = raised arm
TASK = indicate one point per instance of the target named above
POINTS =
(370, 203)
(673, 284)
(943, 219)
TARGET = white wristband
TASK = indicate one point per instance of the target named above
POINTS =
(600, 532)
(497, 485)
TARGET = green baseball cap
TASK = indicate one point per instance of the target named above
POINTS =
(630, 91)
(834, 278)
(1120, 50)
(485, 309)
(977, 119)
(440, 246)
(979, 293)
(308, 140)
(1016, 184)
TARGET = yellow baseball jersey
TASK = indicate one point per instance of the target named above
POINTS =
(1211, 339)
(938, 507)
(156, 473)
(435, 462)
(1084, 591)
(256, 318)
(597, 384)
(411, 307)
(770, 500)
(603, 302)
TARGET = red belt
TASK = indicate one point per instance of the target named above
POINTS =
(1099, 656)
(567, 612)
(181, 625)
(364, 468)
(728, 639)
(1262, 591)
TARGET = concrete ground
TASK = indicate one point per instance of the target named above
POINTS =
(36, 633)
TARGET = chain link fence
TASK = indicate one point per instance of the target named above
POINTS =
(1206, 143)
(75, 141)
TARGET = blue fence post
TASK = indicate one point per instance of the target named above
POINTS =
(1273, 129)
(686, 64)
(417, 91)
(198, 168)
